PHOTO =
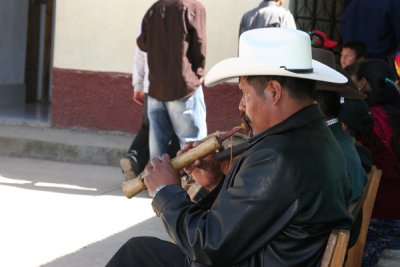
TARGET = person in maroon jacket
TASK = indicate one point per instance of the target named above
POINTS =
(174, 36)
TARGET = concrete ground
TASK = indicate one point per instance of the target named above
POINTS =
(66, 214)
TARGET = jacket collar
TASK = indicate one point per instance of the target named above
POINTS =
(300, 118)
(266, 3)
(335, 127)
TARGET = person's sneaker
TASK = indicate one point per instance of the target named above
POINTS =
(127, 169)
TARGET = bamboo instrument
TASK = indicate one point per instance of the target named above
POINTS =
(210, 144)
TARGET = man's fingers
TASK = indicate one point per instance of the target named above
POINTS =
(155, 163)
(197, 163)
(165, 157)
(148, 169)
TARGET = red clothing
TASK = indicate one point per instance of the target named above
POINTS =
(379, 143)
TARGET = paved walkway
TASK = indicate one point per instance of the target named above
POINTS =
(67, 215)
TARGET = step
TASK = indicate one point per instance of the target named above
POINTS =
(41, 141)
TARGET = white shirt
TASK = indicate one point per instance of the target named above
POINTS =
(267, 14)
(140, 73)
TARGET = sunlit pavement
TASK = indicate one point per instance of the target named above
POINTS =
(56, 214)
(62, 214)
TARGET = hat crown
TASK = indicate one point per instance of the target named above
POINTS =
(280, 47)
(324, 56)
(273, 51)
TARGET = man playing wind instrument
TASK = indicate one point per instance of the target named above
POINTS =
(285, 193)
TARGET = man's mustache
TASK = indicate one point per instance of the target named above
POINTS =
(247, 122)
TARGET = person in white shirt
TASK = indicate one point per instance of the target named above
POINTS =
(269, 13)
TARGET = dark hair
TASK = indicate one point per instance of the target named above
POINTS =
(329, 103)
(376, 71)
(359, 48)
(352, 68)
(383, 93)
(355, 114)
(300, 89)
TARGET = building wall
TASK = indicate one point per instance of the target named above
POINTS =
(93, 53)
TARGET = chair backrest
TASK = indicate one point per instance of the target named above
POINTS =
(366, 203)
(336, 248)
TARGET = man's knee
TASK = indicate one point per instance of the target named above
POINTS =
(140, 242)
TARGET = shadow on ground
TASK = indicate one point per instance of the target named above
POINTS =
(99, 253)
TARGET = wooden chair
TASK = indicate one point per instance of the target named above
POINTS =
(366, 203)
(336, 248)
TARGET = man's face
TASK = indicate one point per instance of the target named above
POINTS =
(347, 57)
(256, 107)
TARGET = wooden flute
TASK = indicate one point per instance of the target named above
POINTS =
(209, 144)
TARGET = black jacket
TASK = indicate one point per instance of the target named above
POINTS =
(277, 205)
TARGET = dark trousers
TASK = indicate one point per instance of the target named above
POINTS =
(140, 144)
(148, 252)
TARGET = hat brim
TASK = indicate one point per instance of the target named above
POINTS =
(236, 67)
(330, 44)
(344, 90)
(347, 90)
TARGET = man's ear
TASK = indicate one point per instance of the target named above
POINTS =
(274, 89)
(363, 85)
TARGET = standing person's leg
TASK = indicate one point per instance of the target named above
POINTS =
(138, 153)
(173, 146)
(160, 127)
(139, 149)
(148, 251)
(188, 117)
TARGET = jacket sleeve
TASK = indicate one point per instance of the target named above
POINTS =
(288, 21)
(139, 70)
(141, 41)
(196, 24)
(254, 204)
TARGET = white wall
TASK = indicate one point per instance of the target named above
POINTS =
(99, 35)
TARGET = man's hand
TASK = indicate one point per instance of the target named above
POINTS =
(160, 172)
(206, 171)
(138, 97)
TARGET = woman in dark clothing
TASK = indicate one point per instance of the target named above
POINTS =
(373, 77)
(356, 119)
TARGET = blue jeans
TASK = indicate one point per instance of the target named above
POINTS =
(185, 117)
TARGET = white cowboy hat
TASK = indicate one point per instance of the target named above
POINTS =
(273, 51)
